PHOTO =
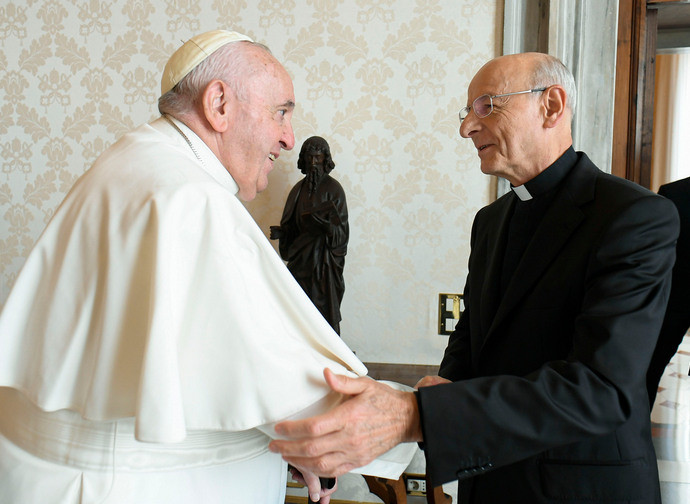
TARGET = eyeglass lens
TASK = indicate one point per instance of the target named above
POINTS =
(482, 106)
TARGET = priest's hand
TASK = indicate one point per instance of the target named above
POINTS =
(373, 419)
(430, 381)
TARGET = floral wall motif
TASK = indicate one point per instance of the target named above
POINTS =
(381, 80)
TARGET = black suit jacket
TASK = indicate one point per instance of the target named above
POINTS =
(677, 318)
(549, 402)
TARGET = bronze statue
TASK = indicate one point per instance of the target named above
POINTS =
(313, 231)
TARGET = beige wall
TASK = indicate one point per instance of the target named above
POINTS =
(381, 80)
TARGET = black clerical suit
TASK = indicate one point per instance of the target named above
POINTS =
(677, 318)
(549, 402)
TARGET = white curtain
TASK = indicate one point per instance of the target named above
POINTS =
(671, 428)
(670, 145)
(671, 161)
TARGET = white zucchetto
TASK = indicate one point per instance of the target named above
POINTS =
(193, 52)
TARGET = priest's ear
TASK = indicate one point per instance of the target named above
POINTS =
(216, 103)
(554, 103)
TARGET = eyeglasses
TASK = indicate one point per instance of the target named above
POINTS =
(484, 104)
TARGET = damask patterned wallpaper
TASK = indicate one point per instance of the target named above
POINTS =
(381, 80)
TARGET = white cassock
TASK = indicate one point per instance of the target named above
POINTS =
(153, 337)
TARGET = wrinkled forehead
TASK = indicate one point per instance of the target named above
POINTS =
(268, 77)
(501, 75)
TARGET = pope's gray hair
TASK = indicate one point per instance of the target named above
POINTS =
(231, 63)
(548, 71)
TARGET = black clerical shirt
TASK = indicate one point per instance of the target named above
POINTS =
(532, 201)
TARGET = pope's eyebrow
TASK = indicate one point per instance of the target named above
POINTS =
(288, 104)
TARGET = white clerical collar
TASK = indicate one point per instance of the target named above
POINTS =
(522, 192)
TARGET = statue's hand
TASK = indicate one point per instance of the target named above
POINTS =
(276, 232)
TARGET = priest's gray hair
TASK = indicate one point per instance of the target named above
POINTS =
(230, 63)
(548, 71)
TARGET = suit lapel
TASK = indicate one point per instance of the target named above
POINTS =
(558, 224)
(496, 239)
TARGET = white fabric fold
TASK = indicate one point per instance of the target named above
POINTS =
(153, 294)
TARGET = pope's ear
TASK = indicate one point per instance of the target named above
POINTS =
(554, 102)
(216, 105)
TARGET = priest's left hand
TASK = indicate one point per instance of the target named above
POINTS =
(373, 419)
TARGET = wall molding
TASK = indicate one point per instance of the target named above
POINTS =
(582, 34)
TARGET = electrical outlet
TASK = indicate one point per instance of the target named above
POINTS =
(449, 311)
(416, 486)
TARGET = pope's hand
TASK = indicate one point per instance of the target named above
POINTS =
(373, 419)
